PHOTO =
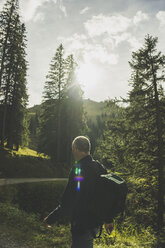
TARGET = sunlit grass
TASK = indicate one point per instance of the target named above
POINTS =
(29, 229)
(25, 151)
(25, 163)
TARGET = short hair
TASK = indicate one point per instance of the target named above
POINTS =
(82, 143)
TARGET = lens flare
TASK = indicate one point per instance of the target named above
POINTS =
(78, 177)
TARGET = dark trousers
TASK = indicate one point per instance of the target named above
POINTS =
(84, 240)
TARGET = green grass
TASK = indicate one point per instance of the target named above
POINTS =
(25, 151)
(24, 163)
(29, 229)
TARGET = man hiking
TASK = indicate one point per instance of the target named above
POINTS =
(77, 197)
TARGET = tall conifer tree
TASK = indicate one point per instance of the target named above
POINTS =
(74, 110)
(13, 67)
(62, 110)
(145, 116)
(50, 129)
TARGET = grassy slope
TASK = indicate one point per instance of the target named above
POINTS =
(24, 163)
(93, 108)
(29, 229)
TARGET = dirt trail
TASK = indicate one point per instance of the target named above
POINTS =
(6, 181)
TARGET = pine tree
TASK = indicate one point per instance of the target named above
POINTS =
(134, 141)
(6, 21)
(111, 143)
(50, 128)
(145, 116)
(18, 123)
(62, 111)
(74, 110)
(13, 67)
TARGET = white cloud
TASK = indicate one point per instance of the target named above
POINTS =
(83, 11)
(99, 53)
(113, 30)
(75, 43)
(161, 17)
(1, 4)
(130, 38)
(62, 7)
(134, 43)
(139, 17)
(101, 24)
(84, 50)
(39, 17)
(115, 40)
(28, 8)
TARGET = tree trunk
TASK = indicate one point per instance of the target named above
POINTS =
(160, 156)
(5, 111)
(59, 134)
(6, 96)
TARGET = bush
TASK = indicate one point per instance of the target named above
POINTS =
(14, 217)
(39, 198)
(8, 193)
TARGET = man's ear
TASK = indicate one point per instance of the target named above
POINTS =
(76, 149)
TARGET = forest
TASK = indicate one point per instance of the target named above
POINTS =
(127, 136)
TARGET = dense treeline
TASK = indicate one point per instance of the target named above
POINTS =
(133, 142)
(94, 114)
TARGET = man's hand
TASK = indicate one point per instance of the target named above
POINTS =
(109, 227)
(45, 223)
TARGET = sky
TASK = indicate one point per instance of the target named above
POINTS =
(101, 34)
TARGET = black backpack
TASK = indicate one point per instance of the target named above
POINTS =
(109, 197)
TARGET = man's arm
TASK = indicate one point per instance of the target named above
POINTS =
(66, 206)
(53, 216)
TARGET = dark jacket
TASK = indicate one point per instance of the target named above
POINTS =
(78, 194)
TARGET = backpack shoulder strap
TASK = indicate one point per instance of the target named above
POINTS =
(100, 169)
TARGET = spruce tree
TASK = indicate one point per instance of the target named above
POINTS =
(13, 67)
(145, 117)
(111, 138)
(61, 117)
(74, 110)
(50, 128)
(134, 140)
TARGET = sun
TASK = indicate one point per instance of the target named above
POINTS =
(88, 76)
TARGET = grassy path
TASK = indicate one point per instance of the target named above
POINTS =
(8, 181)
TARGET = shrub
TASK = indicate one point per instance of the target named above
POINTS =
(39, 198)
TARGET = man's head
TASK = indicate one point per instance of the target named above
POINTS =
(81, 147)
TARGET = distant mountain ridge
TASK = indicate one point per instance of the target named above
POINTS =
(92, 108)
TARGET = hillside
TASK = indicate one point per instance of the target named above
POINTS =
(92, 108)
(24, 164)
